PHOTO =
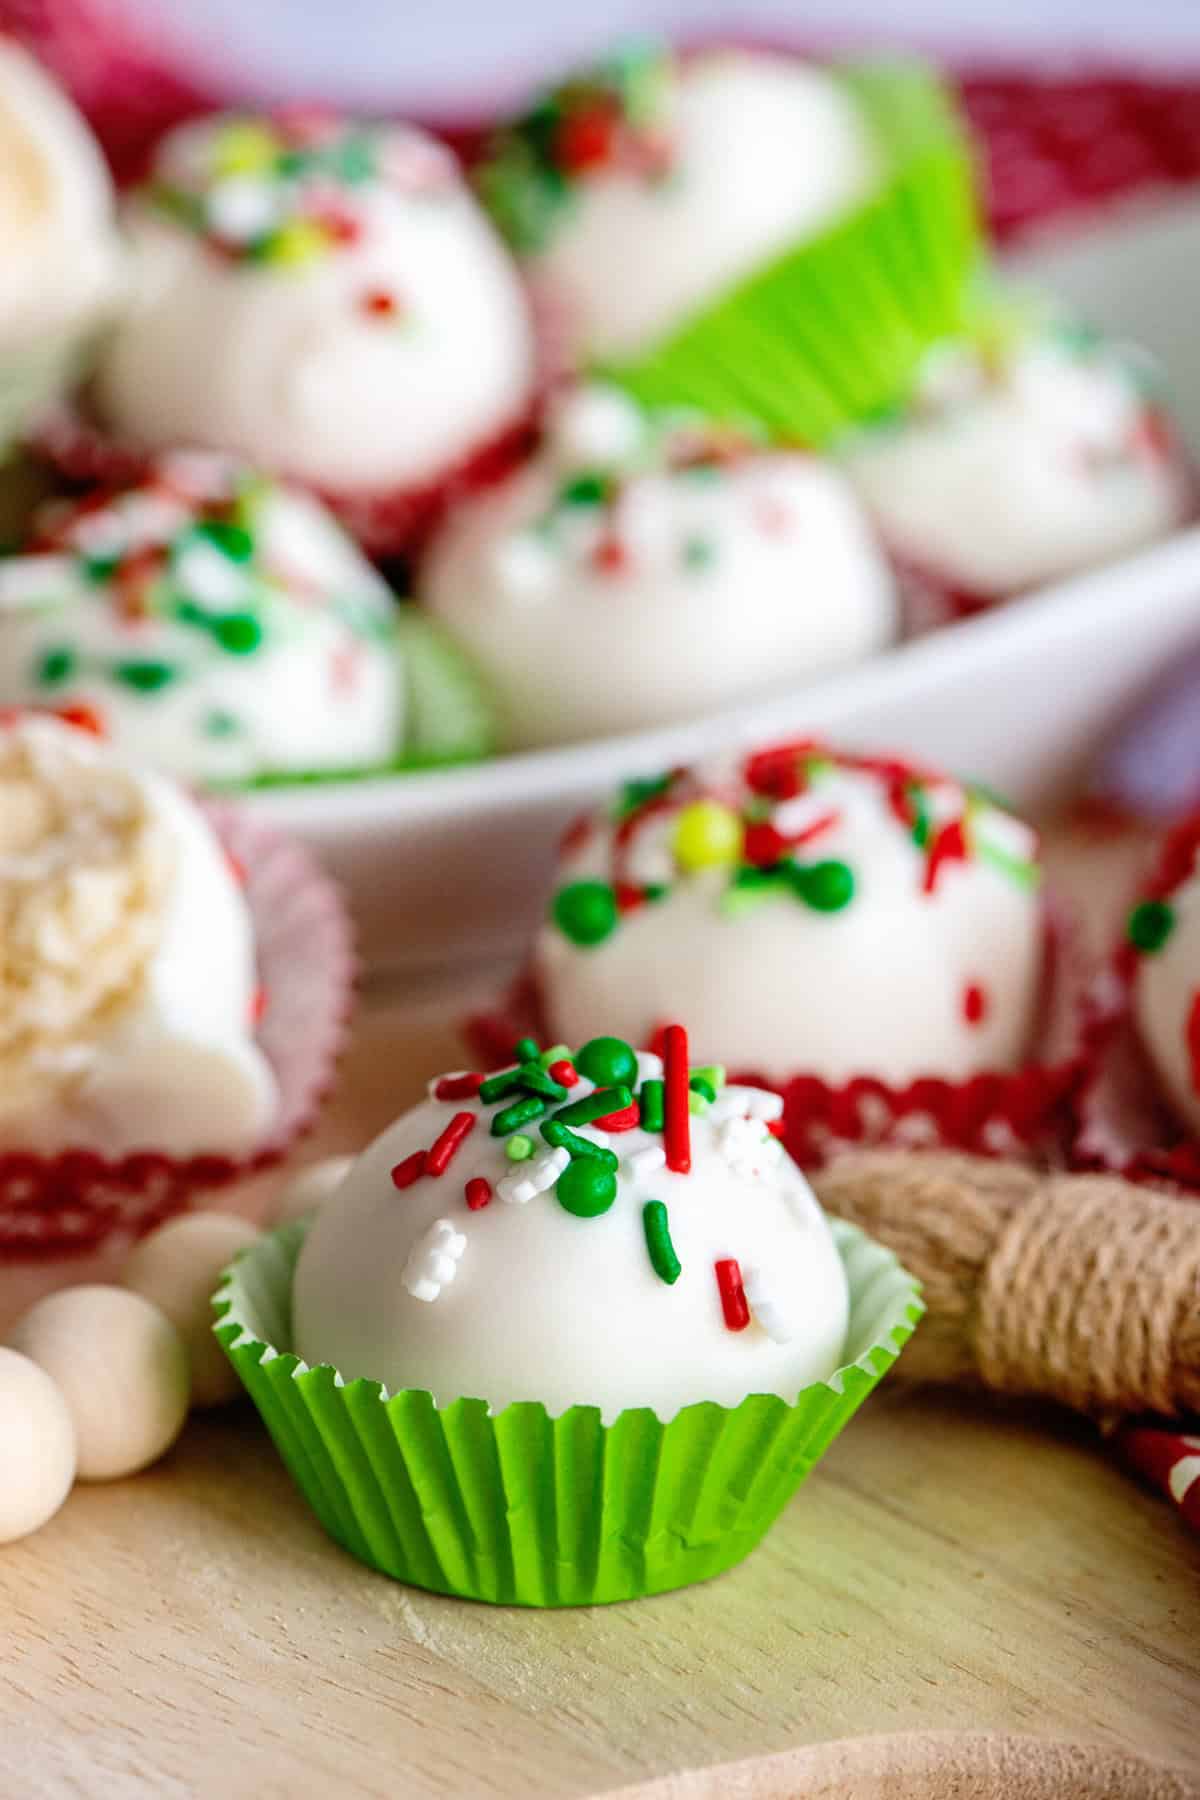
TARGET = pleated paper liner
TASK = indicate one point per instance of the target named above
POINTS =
(830, 333)
(77, 1200)
(1028, 1110)
(523, 1509)
(1125, 1124)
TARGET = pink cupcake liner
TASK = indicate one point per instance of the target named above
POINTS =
(1124, 1124)
(1030, 1110)
(76, 1200)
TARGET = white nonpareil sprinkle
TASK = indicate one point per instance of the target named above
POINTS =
(433, 1260)
(596, 425)
(735, 1102)
(748, 1150)
(523, 566)
(522, 1184)
(646, 1161)
(764, 1301)
(240, 208)
(650, 1067)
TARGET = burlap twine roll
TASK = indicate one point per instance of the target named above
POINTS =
(1081, 1288)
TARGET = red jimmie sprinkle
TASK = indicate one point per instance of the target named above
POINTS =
(950, 845)
(1193, 1042)
(411, 1169)
(478, 1192)
(625, 1120)
(259, 1001)
(975, 1003)
(458, 1087)
(763, 845)
(777, 1127)
(733, 1294)
(84, 718)
(677, 1127)
(445, 1146)
(564, 1072)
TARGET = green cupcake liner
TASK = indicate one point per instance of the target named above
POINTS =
(523, 1509)
(831, 332)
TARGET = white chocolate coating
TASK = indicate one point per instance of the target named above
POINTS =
(127, 609)
(897, 983)
(311, 1188)
(1166, 1005)
(58, 242)
(122, 1369)
(37, 1442)
(535, 1303)
(1047, 460)
(177, 1267)
(128, 976)
(696, 574)
(280, 357)
(760, 152)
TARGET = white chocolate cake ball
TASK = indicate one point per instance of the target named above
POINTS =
(643, 567)
(1164, 933)
(128, 990)
(37, 1447)
(1021, 462)
(321, 296)
(216, 625)
(639, 192)
(311, 1188)
(606, 1230)
(811, 912)
(58, 242)
(178, 1268)
(122, 1369)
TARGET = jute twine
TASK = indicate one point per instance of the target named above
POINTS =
(1081, 1288)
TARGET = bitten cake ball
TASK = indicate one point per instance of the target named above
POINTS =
(639, 192)
(211, 622)
(813, 912)
(1023, 459)
(644, 566)
(58, 242)
(601, 1229)
(1164, 933)
(323, 297)
(128, 991)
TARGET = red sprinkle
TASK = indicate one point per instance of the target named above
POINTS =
(444, 1147)
(733, 1294)
(950, 845)
(763, 845)
(576, 835)
(564, 1072)
(677, 1127)
(380, 303)
(975, 1003)
(610, 555)
(825, 822)
(586, 139)
(411, 1169)
(457, 1087)
(84, 718)
(478, 1191)
(629, 897)
(1193, 1042)
(237, 868)
(259, 1001)
(625, 1120)
(776, 1127)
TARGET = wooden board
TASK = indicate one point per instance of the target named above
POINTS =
(948, 1566)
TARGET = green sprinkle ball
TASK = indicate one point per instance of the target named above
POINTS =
(145, 677)
(518, 1148)
(826, 886)
(585, 911)
(240, 634)
(56, 666)
(608, 1061)
(586, 1188)
(1150, 925)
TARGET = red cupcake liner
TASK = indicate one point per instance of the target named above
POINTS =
(77, 1200)
(1028, 1111)
(1125, 1125)
(1168, 1458)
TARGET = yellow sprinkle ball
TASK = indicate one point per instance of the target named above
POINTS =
(245, 148)
(707, 836)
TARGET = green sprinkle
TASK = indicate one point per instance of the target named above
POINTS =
(703, 1089)
(100, 568)
(534, 1080)
(698, 1103)
(519, 1148)
(56, 666)
(521, 1113)
(650, 1105)
(1025, 874)
(238, 633)
(661, 1250)
(608, 1061)
(496, 1087)
(698, 553)
(556, 1053)
(585, 911)
(595, 1106)
(586, 1188)
(638, 793)
(655, 890)
(563, 1139)
(750, 886)
(145, 677)
(825, 886)
(233, 541)
(218, 724)
(525, 1050)
(585, 489)
(1150, 925)
(714, 1074)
